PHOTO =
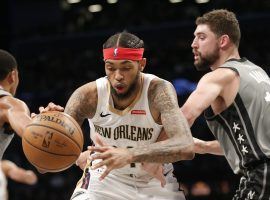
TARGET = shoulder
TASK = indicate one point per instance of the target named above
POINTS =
(11, 104)
(219, 76)
(83, 102)
(159, 83)
(7, 102)
(87, 90)
(161, 92)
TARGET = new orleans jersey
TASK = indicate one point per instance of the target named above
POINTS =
(131, 127)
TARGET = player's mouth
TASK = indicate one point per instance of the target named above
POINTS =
(120, 88)
(196, 55)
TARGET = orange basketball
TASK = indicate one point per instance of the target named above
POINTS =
(53, 141)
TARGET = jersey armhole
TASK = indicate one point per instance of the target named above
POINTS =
(233, 69)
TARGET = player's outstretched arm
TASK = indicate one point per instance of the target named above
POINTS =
(12, 171)
(16, 113)
(204, 147)
(210, 87)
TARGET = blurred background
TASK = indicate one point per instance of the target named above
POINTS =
(58, 45)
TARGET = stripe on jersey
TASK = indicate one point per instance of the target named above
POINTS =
(249, 131)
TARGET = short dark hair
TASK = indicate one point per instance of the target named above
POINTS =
(7, 63)
(222, 22)
(125, 40)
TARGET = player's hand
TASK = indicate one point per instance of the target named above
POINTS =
(155, 170)
(24, 176)
(50, 107)
(199, 146)
(30, 177)
(82, 160)
(112, 158)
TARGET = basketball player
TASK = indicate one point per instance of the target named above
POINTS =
(14, 114)
(129, 109)
(235, 98)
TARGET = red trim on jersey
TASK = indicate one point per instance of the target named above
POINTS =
(138, 112)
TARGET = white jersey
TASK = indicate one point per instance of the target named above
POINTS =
(128, 128)
(131, 127)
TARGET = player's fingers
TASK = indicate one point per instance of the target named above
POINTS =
(98, 149)
(106, 161)
(33, 115)
(102, 156)
(53, 107)
(31, 177)
(41, 109)
(105, 173)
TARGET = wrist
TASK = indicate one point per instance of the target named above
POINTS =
(206, 146)
(131, 157)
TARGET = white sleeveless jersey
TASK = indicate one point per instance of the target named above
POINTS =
(127, 128)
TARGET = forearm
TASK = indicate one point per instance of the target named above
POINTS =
(170, 150)
(207, 147)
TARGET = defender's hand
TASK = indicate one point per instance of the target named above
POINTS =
(82, 160)
(50, 107)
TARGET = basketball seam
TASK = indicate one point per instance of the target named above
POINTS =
(34, 124)
(52, 169)
(48, 151)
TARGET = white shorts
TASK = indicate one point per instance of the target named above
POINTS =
(125, 187)
(3, 185)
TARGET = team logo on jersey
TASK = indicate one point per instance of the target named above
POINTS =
(138, 112)
(104, 115)
(115, 52)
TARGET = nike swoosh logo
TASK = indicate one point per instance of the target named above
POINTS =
(104, 115)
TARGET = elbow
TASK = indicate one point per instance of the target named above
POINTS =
(189, 153)
(186, 153)
(188, 115)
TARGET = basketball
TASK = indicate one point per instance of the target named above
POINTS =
(53, 141)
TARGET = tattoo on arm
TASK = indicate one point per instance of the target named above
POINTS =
(82, 103)
(179, 146)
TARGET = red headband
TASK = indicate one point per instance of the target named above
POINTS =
(119, 53)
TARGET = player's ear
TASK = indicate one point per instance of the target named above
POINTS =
(224, 41)
(11, 77)
(142, 64)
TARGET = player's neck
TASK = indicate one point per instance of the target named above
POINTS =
(3, 87)
(226, 56)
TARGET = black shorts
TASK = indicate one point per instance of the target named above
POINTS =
(255, 184)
